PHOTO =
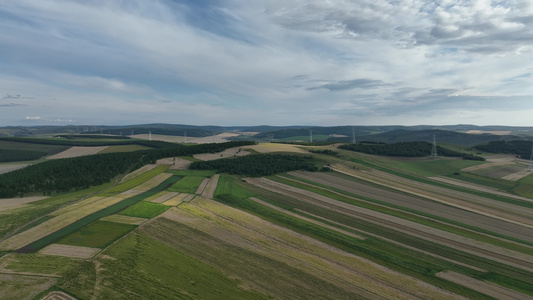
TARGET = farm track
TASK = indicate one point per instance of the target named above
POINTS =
(495, 253)
(480, 205)
(418, 203)
(343, 269)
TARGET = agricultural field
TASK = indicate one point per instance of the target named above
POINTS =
(78, 151)
(123, 148)
(365, 227)
(146, 210)
(188, 184)
(98, 234)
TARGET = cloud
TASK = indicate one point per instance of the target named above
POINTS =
(350, 85)
(473, 26)
(271, 62)
(11, 105)
(33, 118)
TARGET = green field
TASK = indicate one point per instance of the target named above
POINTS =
(145, 210)
(25, 217)
(188, 184)
(98, 234)
(135, 181)
(148, 269)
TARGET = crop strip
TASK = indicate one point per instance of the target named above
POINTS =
(55, 236)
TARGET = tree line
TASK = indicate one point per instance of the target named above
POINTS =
(518, 147)
(88, 142)
(10, 155)
(257, 165)
(406, 149)
(62, 175)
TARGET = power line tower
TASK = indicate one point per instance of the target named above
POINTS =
(434, 148)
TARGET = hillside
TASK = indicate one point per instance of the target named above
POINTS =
(248, 225)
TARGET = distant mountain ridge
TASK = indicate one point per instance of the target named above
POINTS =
(456, 134)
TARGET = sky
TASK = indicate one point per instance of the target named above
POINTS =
(266, 62)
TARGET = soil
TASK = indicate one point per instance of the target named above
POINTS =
(486, 288)
(419, 204)
(438, 236)
(11, 203)
(69, 251)
(77, 151)
(231, 152)
(209, 191)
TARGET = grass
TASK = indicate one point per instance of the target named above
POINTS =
(398, 258)
(22, 286)
(411, 215)
(496, 183)
(188, 184)
(136, 181)
(145, 210)
(38, 263)
(80, 223)
(22, 218)
(144, 268)
(389, 255)
(98, 234)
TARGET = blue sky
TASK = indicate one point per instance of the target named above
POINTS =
(286, 62)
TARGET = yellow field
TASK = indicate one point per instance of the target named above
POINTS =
(152, 183)
(137, 172)
(63, 217)
(274, 147)
(345, 270)
(124, 219)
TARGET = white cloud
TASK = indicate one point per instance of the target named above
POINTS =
(266, 62)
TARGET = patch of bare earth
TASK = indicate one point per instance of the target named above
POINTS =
(11, 203)
(124, 219)
(275, 147)
(56, 295)
(175, 163)
(69, 251)
(202, 186)
(11, 167)
(445, 238)
(517, 176)
(164, 197)
(209, 191)
(159, 137)
(500, 132)
(231, 152)
(486, 288)
(77, 151)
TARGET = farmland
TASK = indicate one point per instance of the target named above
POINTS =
(365, 227)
